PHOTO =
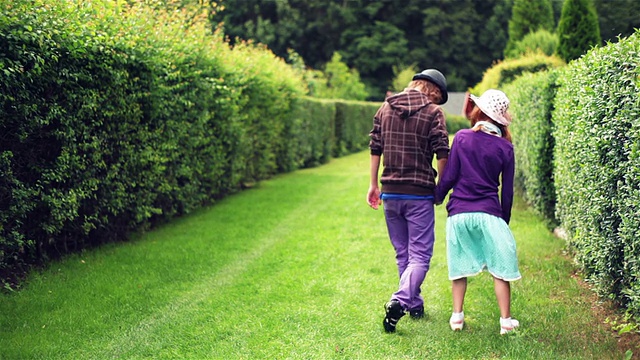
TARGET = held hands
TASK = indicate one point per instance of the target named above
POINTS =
(373, 197)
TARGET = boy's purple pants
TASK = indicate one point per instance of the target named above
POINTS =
(411, 229)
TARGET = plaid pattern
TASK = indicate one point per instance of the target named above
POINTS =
(408, 130)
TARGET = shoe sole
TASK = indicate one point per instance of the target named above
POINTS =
(456, 326)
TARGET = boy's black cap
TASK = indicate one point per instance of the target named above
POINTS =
(437, 78)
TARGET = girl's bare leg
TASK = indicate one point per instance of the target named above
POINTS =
(458, 289)
(503, 294)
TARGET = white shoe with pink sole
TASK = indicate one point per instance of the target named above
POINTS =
(508, 325)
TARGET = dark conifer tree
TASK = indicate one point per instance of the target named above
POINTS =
(578, 29)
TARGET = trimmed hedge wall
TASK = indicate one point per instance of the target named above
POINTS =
(597, 162)
(310, 134)
(593, 143)
(115, 118)
(506, 71)
(532, 98)
(349, 133)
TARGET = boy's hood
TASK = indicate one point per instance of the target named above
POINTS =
(408, 102)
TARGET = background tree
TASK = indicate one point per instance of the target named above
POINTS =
(402, 77)
(495, 20)
(462, 38)
(450, 41)
(578, 29)
(617, 18)
(312, 28)
(374, 49)
(450, 35)
(459, 37)
(529, 16)
(557, 9)
(342, 82)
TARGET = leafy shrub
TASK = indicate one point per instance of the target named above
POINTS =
(541, 41)
(455, 123)
(532, 97)
(116, 117)
(342, 82)
(353, 120)
(504, 72)
(402, 77)
(309, 134)
(596, 166)
(528, 16)
(337, 81)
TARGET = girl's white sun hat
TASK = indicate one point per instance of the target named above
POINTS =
(494, 103)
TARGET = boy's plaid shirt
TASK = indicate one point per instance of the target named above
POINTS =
(408, 130)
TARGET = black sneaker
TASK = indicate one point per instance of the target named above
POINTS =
(393, 313)
(417, 313)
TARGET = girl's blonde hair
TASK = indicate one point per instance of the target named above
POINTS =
(477, 115)
(427, 87)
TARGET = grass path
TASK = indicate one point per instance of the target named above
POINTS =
(297, 268)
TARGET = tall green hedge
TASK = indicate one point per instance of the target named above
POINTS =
(532, 97)
(309, 134)
(353, 118)
(597, 159)
(583, 119)
(506, 71)
(115, 117)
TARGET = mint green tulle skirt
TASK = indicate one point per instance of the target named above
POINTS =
(478, 241)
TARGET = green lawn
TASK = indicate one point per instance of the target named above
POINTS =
(296, 268)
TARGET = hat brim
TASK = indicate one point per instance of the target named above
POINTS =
(443, 91)
(485, 109)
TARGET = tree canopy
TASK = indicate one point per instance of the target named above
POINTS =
(462, 38)
(459, 37)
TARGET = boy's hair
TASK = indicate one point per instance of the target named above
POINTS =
(477, 115)
(430, 89)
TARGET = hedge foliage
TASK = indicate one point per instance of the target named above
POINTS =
(542, 41)
(506, 71)
(116, 117)
(532, 98)
(349, 133)
(597, 162)
(456, 122)
(576, 131)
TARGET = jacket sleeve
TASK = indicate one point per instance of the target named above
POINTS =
(375, 138)
(508, 171)
(439, 136)
(449, 176)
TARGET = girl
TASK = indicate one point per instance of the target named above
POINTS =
(478, 234)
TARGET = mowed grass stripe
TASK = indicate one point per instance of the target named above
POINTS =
(211, 302)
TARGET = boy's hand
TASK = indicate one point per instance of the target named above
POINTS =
(373, 197)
